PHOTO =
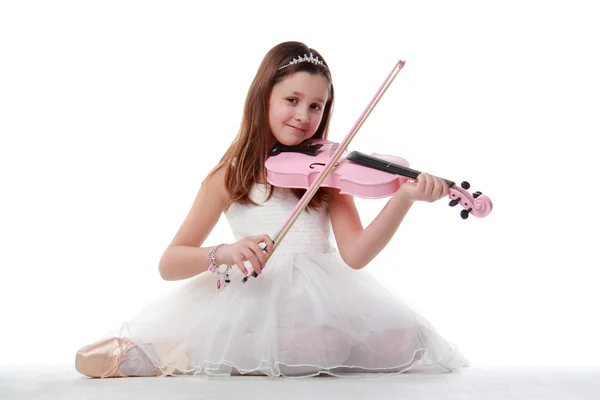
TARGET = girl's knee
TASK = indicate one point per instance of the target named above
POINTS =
(305, 352)
(387, 350)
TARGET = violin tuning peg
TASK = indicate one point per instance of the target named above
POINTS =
(465, 185)
(464, 214)
(477, 194)
(453, 202)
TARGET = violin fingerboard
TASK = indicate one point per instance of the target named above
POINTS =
(381, 164)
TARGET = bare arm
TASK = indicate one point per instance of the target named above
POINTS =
(183, 258)
(359, 246)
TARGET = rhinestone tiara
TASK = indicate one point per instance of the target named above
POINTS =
(310, 59)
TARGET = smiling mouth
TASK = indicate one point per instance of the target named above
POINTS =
(295, 129)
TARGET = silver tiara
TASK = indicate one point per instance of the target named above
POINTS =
(310, 59)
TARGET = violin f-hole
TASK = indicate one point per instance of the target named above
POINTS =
(321, 164)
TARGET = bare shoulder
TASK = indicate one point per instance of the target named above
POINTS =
(211, 200)
(214, 185)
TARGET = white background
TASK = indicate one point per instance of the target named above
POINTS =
(112, 112)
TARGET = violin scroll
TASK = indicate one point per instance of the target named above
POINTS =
(476, 204)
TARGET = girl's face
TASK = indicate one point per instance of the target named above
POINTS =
(296, 107)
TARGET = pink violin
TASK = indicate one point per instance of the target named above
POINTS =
(367, 176)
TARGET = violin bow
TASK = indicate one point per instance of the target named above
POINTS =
(339, 151)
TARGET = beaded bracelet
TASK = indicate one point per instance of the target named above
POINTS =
(215, 268)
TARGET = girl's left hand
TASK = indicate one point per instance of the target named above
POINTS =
(427, 188)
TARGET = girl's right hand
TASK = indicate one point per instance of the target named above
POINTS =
(247, 249)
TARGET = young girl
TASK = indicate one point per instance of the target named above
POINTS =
(310, 310)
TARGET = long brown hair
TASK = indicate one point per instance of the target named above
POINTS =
(250, 149)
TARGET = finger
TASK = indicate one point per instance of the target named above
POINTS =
(438, 189)
(259, 254)
(251, 258)
(262, 243)
(238, 261)
(269, 242)
(427, 187)
(445, 188)
(421, 182)
(265, 243)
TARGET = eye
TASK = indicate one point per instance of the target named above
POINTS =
(292, 100)
(316, 107)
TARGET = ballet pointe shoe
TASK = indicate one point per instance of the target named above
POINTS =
(103, 358)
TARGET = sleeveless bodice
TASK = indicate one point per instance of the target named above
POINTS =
(311, 232)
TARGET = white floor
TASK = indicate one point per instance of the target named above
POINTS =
(487, 383)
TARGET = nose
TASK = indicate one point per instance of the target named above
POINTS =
(301, 115)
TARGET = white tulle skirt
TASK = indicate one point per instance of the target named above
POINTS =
(307, 314)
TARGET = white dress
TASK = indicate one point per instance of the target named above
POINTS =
(308, 313)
